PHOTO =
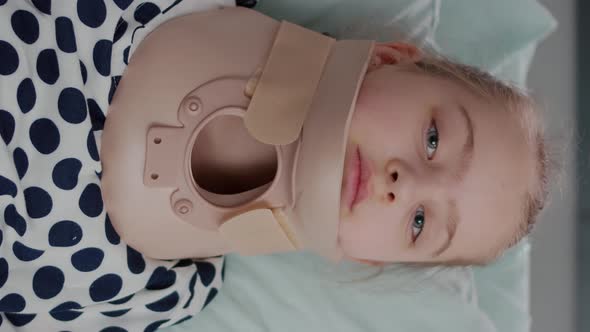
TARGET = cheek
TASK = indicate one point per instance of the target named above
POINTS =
(370, 235)
(371, 128)
(382, 138)
(387, 119)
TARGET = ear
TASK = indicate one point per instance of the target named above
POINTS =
(393, 53)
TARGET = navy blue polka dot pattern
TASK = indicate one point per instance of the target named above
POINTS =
(88, 259)
(7, 125)
(66, 311)
(122, 300)
(144, 14)
(116, 313)
(65, 173)
(13, 219)
(91, 146)
(65, 267)
(38, 202)
(183, 263)
(26, 95)
(120, 30)
(25, 26)
(135, 261)
(3, 271)
(44, 136)
(113, 329)
(12, 303)
(102, 56)
(64, 233)
(9, 63)
(110, 233)
(64, 34)
(21, 162)
(210, 296)
(47, 66)
(19, 320)
(126, 55)
(155, 325)
(91, 201)
(92, 12)
(83, 72)
(114, 82)
(206, 272)
(191, 285)
(161, 278)
(164, 304)
(105, 287)
(247, 3)
(48, 281)
(72, 105)
(123, 4)
(96, 115)
(7, 187)
(43, 6)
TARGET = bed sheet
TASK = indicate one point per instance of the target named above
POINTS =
(297, 292)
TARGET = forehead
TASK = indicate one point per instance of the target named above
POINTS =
(492, 196)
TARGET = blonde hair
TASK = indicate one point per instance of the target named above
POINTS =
(513, 99)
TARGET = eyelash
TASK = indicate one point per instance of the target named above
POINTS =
(420, 226)
(432, 130)
(420, 211)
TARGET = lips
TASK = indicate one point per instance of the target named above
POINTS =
(358, 179)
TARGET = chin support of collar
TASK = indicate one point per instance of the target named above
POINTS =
(307, 90)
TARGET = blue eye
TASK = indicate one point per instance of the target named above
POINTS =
(418, 223)
(431, 140)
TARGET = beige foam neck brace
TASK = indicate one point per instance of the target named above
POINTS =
(150, 189)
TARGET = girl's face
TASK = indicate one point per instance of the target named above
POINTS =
(432, 173)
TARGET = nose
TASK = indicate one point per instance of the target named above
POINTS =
(399, 181)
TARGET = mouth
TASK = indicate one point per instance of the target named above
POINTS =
(358, 177)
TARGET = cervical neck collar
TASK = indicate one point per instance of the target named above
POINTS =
(298, 98)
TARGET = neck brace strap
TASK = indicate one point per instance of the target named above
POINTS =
(307, 90)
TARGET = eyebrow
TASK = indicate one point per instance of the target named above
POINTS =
(467, 150)
(466, 157)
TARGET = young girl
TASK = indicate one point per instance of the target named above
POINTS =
(444, 164)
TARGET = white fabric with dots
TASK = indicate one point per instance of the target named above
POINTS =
(62, 266)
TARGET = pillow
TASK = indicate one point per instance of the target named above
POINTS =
(492, 34)
(383, 20)
(503, 289)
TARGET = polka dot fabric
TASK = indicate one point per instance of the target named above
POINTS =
(62, 265)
